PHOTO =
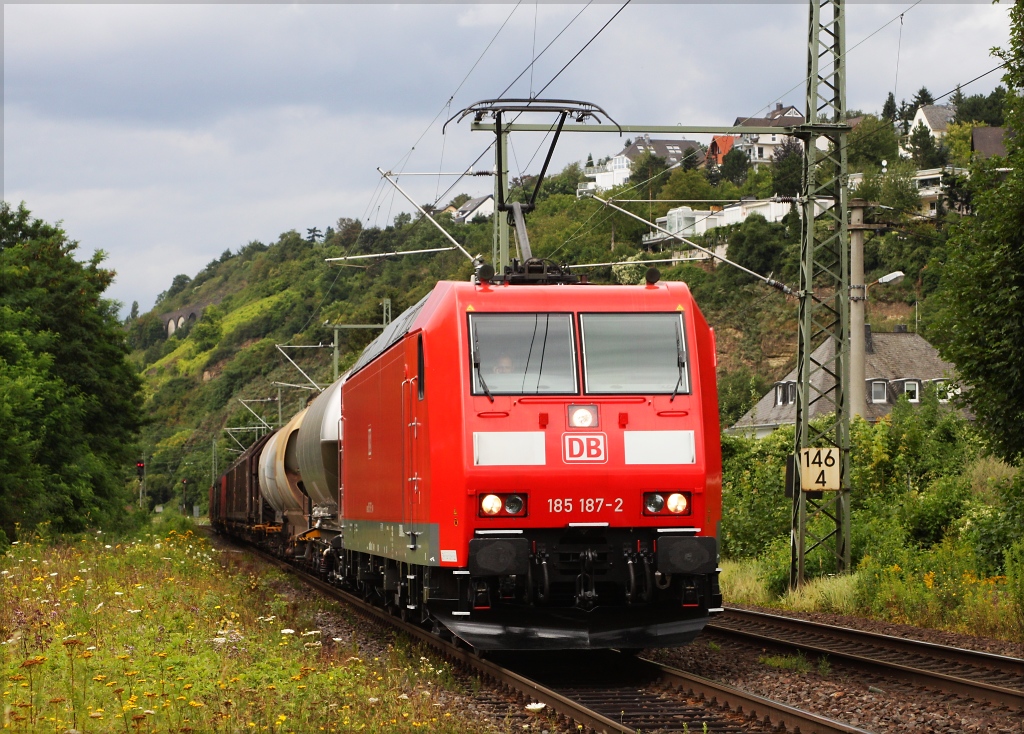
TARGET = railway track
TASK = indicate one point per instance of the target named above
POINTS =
(982, 676)
(607, 691)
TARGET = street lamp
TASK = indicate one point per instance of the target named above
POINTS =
(893, 277)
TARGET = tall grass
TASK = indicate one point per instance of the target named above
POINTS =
(938, 589)
(161, 633)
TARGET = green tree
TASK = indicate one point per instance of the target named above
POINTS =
(894, 189)
(735, 165)
(645, 174)
(922, 98)
(683, 184)
(178, 285)
(738, 392)
(146, 331)
(889, 109)
(75, 385)
(924, 150)
(981, 108)
(564, 182)
(874, 140)
(758, 245)
(905, 115)
(788, 168)
(693, 157)
(207, 330)
(958, 142)
(979, 326)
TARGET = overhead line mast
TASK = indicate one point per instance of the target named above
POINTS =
(823, 379)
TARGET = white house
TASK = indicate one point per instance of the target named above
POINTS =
(935, 117)
(688, 222)
(482, 206)
(761, 147)
(927, 181)
(616, 170)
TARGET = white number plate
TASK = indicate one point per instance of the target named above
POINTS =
(585, 504)
(819, 469)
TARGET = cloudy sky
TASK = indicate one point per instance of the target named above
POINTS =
(165, 134)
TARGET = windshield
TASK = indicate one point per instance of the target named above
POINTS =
(522, 354)
(635, 353)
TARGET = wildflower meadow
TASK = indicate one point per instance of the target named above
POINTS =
(163, 633)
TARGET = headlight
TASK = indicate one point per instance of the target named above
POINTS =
(583, 416)
(491, 504)
(653, 503)
(678, 503)
(504, 505)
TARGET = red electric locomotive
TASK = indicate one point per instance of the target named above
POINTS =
(523, 466)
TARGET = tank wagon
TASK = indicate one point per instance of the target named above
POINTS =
(520, 466)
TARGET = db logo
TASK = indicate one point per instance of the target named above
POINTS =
(584, 447)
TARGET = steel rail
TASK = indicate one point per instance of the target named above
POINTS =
(733, 699)
(763, 709)
(872, 651)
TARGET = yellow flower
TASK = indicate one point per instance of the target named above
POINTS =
(929, 579)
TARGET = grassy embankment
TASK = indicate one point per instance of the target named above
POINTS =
(935, 532)
(957, 601)
(162, 633)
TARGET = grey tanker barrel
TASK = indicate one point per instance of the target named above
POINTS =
(279, 470)
(317, 449)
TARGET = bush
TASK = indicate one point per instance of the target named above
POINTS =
(755, 509)
(927, 515)
(1014, 560)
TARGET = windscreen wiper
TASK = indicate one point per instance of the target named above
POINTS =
(476, 366)
(681, 364)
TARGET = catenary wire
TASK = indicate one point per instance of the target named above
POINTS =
(845, 54)
(587, 44)
(899, 47)
(403, 161)
(505, 91)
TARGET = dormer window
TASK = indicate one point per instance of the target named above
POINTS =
(785, 393)
(878, 392)
(781, 394)
(912, 390)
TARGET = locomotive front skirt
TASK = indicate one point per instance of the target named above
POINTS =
(523, 467)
